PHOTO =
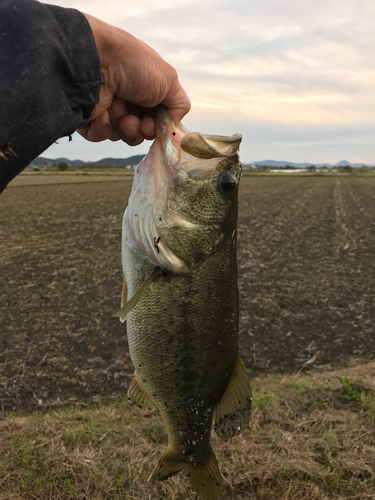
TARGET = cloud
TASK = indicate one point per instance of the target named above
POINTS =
(263, 62)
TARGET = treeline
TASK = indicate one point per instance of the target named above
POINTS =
(90, 166)
(313, 168)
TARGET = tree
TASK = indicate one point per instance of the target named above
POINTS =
(63, 166)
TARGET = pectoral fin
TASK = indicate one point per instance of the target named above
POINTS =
(128, 306)
(233, 412)
(137, 395)
(124, 299)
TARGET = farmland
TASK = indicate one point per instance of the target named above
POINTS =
(307, 282)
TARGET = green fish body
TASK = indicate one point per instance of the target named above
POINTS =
(180, 268)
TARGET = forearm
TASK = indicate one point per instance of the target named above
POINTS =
(50, 79)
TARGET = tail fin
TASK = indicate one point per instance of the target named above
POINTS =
(169, 464)
(204, 479)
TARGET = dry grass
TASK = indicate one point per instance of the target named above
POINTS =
(310, 438)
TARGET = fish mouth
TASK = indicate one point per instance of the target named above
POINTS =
(174, 152)
(184, 149)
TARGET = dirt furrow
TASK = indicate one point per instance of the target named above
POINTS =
(61, 280)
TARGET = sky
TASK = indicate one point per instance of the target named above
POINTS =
(295, 78)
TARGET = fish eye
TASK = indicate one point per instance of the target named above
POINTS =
(227, 182)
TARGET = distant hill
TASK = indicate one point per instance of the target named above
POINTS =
(117, 162)
(344, 163)
(280, 164)
(274, 163)
(42, 161)
(132, 161)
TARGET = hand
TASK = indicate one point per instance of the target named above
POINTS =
(135, 79)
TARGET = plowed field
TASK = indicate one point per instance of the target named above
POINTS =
(306, 270)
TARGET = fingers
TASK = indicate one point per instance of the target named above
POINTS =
(117, 123)
(131, 123)
(177, 102)
(98, 129)
(116, 111)
(129, 127)
(148, 128)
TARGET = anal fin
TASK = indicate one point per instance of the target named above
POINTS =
(137, 395)
(205, 479)
(233, 412)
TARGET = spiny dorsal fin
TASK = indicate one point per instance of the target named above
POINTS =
(233, 412)
(137, 297)
(137, 395)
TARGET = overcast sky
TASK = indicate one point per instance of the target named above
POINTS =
(295, 78)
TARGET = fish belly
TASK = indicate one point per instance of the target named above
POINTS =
(183, 340)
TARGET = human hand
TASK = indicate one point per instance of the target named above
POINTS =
(135, 79)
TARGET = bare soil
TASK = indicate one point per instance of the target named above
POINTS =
(306, 271)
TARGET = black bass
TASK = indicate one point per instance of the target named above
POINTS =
(180, 268)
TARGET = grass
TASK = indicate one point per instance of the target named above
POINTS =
(310, 438)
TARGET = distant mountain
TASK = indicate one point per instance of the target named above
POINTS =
(132, 161)
(344, 163)
(46, 162)
(273, 163)
(118, 162)
(41, 161)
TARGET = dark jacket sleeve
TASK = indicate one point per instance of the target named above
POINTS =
(49, 79)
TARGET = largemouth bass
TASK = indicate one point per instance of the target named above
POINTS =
(180, 268)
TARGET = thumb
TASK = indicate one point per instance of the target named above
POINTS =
(177, 103)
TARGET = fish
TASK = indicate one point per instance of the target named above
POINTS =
(180, 297)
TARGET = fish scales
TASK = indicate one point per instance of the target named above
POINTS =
(179, 355)
(180, 267)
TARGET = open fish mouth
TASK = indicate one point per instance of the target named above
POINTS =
(176, 154)
(184, 149)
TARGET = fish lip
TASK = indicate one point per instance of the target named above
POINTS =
(164, 121)
(170, 136)
(161, 118)
(182, 149)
